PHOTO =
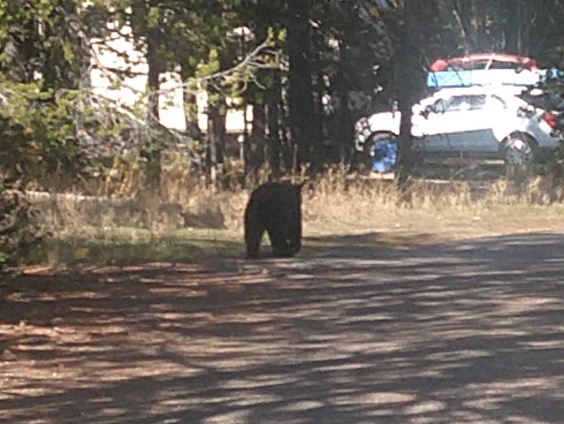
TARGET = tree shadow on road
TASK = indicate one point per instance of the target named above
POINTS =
(365, 244)
(461, 332)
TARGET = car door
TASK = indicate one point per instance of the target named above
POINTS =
(475, 121)
(429, 127)
(462, 122)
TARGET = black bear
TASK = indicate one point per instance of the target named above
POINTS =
(274, 207)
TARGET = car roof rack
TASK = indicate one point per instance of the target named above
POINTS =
(484, 69)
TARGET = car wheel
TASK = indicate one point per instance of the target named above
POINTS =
(370, 154)
(519, 151)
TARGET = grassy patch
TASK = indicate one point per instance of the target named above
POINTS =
(339, 212)
(128, 246)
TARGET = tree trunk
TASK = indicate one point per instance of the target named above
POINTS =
(143, 25)
(304, 129)
(318, 148)
(344, 115)
(483, 41)
(273, 99)
(215, 142)
(190, 107)
(254, 156)
(518, 26)
(154, 66)
(407, 76)
(288, 149)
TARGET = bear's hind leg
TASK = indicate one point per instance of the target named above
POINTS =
(281, 247)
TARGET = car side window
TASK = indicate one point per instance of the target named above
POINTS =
(477, 102)
(440, 106)
(465, 103)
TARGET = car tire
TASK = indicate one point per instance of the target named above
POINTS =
(369, 146)
(519, 151)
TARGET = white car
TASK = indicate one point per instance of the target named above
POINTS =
(477, 119)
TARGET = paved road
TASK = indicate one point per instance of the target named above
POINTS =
(467, 332)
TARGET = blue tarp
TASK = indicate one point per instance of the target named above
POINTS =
(384, 155)
(467, 78)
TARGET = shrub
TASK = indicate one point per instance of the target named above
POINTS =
(20, 231)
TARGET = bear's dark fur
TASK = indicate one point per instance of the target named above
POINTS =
(274, 207)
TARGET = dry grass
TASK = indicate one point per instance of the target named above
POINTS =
(190, 221)
(434, 211)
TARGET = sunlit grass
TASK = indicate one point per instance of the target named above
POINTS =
(191, 221)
